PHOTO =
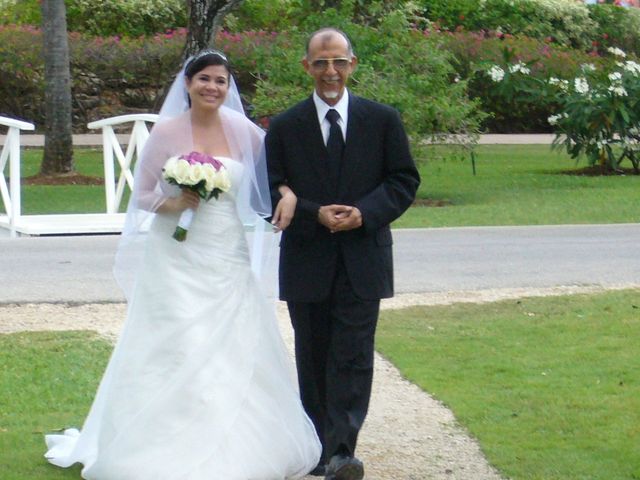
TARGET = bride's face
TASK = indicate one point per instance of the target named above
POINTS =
(208, 87)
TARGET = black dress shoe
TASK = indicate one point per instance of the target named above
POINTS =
(319, 471)
(344, 468)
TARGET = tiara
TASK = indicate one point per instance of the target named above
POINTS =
(205, 53)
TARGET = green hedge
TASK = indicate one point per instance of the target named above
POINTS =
(104, 17)
(519, 111)
(617, 27)
(109, 75)
(397, 66)
(114, 76)
(431, 76)
(565, 22)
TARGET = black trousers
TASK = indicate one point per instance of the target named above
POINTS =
(334, 345)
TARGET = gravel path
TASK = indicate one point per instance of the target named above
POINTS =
(408, 434)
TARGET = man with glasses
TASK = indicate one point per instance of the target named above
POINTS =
(347, 160)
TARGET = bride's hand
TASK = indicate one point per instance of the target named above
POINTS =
(285, 208)
(187, 199)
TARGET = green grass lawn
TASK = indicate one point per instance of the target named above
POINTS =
(514, 185)
(47, 382)
(520, 185)
(46, 199)
(549, 386)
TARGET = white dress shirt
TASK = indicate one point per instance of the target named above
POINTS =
(342, 107)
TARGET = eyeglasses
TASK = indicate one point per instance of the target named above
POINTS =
(339, 64)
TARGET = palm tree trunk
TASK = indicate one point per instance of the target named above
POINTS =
(58, 143)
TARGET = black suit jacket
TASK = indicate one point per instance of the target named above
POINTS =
(377, 175)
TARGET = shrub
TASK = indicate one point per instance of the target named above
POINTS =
(397, 66)
(125, 17)
(104, 17)
(512, 110)
(109, 75)
(23, 12)
(566, 22)
(22, 73)
(113, 75)
(617, 27)
(258, 15)
(599, 114)
(450, 14)
(285, 15)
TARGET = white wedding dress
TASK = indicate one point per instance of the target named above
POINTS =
(199, 385)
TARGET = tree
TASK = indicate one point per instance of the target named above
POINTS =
(204, 22)
(58, 140)
(205, 19)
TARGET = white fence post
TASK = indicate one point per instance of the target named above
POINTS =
(111, 146)
(11, 196)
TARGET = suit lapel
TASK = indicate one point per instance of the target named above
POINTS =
(317, 155)
(356, 137)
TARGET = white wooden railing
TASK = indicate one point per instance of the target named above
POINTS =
(111, 146)
(11, 151)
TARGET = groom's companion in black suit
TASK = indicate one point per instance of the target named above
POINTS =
(348, 161)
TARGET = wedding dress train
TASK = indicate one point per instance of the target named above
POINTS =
(199, 385)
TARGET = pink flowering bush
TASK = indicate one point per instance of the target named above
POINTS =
(110, 75)
(22, 73)
(116, 75)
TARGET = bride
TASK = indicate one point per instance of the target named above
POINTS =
(199, 385)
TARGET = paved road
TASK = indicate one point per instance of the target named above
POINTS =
(476, 258)
(78, 268)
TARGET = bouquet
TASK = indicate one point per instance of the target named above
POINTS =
(199, 172)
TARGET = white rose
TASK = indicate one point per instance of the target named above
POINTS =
(209, 174)
(181, 172)
(195, 174)
(169, 168)
(222, 180)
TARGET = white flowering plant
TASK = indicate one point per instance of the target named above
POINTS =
(599, 114)
(202, 173)
(596, 114)
(511, 86)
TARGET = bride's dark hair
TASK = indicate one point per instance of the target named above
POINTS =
(203, 60)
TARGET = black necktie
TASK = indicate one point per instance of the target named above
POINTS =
(335, 144)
